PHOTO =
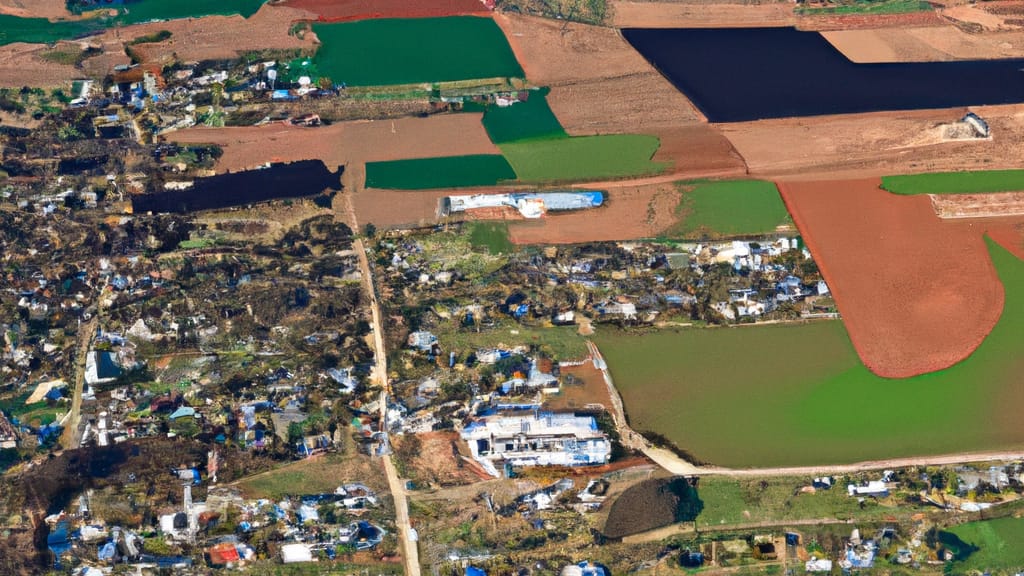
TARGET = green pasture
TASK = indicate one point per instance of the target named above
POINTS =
(991, 545)
(409, 51)
(729, 208)
(492, 235)
(583, 158)
(446, 172)
(956, 182)
(529, 120)
(868, 7)
(788, 395)
(41, 30)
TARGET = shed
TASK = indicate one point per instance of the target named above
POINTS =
(291, 553)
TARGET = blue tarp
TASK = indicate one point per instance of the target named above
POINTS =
(183, 412)
(474, 571)
(58, 542)
(107, 551)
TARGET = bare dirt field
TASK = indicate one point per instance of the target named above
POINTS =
(439, 462)
(21, 65)
(999, 15)
(924, 44)
(589, 388)
(875, 144)
(861, 21)
(52, 9)
(700, 15)
(698, 151)
(344, 10)
(917, 293)
(1009, 233)
(399, 208)
(1002, 204)
(213, 37)
(344, 142)
(596, 77)
(630, 212)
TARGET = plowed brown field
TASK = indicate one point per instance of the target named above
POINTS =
(700, 15)
(345, 10)
(925, 44)
(917, 294)
(21, 65)
(344, 142)
(52, 9)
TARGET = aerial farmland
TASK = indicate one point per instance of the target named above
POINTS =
(477, 287)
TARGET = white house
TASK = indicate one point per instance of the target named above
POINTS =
(538, 439)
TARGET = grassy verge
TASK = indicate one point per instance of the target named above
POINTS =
(729, 208)
(448, 172)
(986, 546)
(956, 182)
(583, 158)
(492, 235)
(799, 395)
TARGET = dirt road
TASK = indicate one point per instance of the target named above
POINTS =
(71, 436)
(410, 550)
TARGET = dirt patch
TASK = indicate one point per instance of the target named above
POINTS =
(1001, 204)
(344, 142)
(1009, 235)
(862, 21)
(700, 15)
(917, 293)
(630, 212)
(698, 151)
(52, 9)
(1001, 16)
(22, 65)
(582, 386)
(345, 10)
(875, 144)
(924, 44)
(212, 37)
(440, 462)
(596, 77)
(652, 504)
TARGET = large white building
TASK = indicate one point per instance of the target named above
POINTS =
(538, 439)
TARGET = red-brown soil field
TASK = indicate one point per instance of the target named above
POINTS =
(1009, 233)
(345, 10)
(917, 293)
(21, 65)
(52, 9)
(700, 15)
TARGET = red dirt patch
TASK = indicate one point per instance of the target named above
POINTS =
(345, 10)
(858, 21)
(589, 388)
(917, 294)
(1009, 235)
(630, 212)
(21, 64)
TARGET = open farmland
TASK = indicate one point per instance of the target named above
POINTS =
(956, 182)
(583, 158)
(917, 293)
(146, 10)
(531, 119)
(40, 30)
(53, 9)
(345, 10)
(730, 208)
(445, 172)
(788, 395)
(991, 545)
(408, 51)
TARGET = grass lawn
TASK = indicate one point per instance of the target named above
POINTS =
(447, 172)
(528, 120)
(146, 10)
(493, 235)
(729, 208)
(741, 501)
(41, 30)
(956, 182)
(583, 158)
(315, 476)
(407, 51)
(992, 545)
(869, 7)
(559, 342)
(798, 394)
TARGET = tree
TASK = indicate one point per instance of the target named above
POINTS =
(370, 231)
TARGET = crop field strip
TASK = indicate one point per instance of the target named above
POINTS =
(730, 208)
(443, 172)
(799, 395)
(409, 51)
(976, 182)
(41, 30)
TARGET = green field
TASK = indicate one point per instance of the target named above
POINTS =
(447, 172)
(869, 7)
(956, 182)
(41, 30)
(492, 235)
(730, 208)
(408, 51)
(583, 158)
(799, 395)
(992, 545)
(528, 120)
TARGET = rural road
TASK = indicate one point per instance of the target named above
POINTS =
(410, 549)
(71, 436)
(676, 465)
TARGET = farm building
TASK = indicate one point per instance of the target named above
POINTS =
(537, 440)
(529, 204)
